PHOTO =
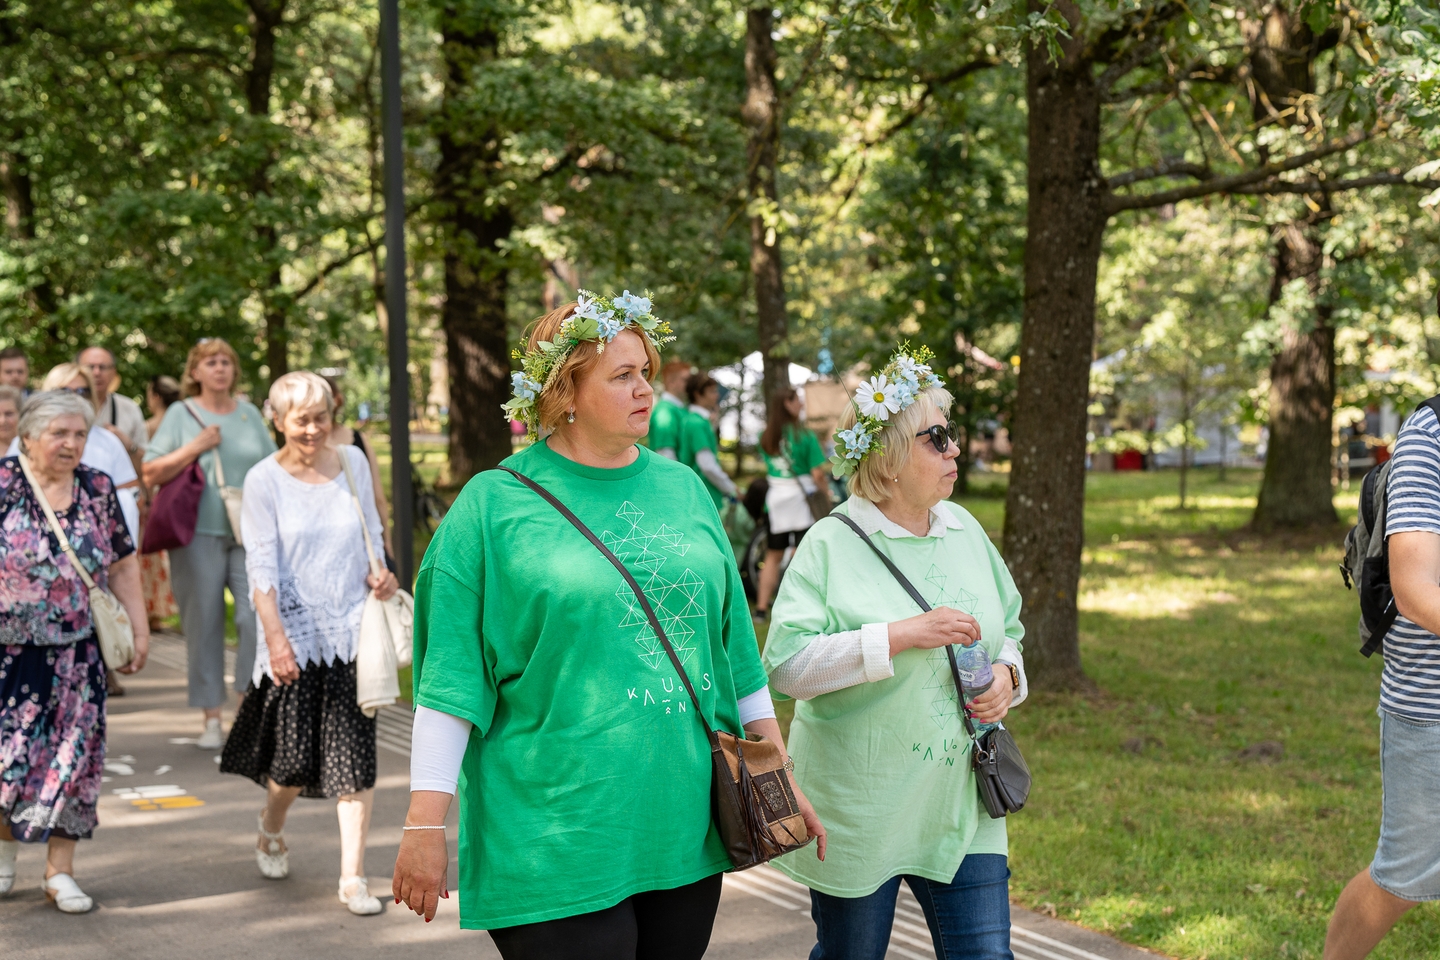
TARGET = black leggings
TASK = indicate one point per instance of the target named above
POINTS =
(656, 925)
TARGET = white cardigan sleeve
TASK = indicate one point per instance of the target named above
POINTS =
(260, 529)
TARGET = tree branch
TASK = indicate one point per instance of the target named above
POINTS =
(918, 107)
(1165, 168)
(1115, 204)
(369, 246)
(1316, 185)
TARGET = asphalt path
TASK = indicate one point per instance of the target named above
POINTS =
(173, 873)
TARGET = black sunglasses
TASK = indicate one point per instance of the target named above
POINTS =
(940, 437)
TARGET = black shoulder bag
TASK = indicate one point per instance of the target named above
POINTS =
(1000, 769)
(750, 797)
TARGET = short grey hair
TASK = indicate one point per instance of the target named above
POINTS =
(875, 476)
(42, 409)
(13, 395)
(299, 390)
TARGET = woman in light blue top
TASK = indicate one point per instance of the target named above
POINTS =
(211, 423)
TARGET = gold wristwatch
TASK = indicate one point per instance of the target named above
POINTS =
(1014, 674)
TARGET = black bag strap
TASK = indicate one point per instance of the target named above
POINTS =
(635, 587)
(914, 595)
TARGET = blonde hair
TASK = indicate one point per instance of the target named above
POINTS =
(559, 393)
(60, 376)
(189, 386)
(299, 390)
(877, 472)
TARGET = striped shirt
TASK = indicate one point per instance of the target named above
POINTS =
(1410, 685)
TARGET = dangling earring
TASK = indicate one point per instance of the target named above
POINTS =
(570, 417)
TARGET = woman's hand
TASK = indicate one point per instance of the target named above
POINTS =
(142, 651)
(812, 819)
(423, 864)
(383, 583)
(936, 628)
(206, 439)
(994, 704)
(282, 659)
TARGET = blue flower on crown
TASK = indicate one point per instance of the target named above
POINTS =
(633, 305)
(856, 440)
(523, 387)
(610, 326)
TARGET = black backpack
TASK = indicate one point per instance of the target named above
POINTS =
(1366, 567)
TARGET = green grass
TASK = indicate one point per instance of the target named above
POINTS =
(1146, 821)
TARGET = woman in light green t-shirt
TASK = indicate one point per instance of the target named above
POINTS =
(878, 740)
(542, 694)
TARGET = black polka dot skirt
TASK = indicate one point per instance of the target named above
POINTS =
(309, 734)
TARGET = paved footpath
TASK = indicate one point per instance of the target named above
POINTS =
(173, 872)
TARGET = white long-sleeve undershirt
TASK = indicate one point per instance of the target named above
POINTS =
(834, 661)
(716, 474)
(438, 741)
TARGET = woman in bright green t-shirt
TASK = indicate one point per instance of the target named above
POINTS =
(541, 692)
(878, 739)
(794, 468)
(699, 446)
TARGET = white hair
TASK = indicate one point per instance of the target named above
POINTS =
(877, 471)
(300, 390)
(42, 409)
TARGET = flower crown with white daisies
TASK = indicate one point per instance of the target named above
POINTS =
(892, 390)
(596, 319)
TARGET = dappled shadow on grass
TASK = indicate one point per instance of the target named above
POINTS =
(1147, 799)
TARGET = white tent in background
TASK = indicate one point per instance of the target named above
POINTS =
(746, 419)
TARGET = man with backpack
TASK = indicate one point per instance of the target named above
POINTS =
(1406, 867)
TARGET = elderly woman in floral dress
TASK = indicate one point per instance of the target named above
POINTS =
(52, 680)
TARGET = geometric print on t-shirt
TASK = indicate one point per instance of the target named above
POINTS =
(944, 703)
(675, 600)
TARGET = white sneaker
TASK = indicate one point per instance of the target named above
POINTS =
(211, 739)
(8, 850)
(359, 901)
(67, 894)
(273, 861)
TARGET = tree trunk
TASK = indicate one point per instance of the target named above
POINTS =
(19, 192)
(1045, 506)
(761, 114)
(477, 280)
(265, 18)
(1296, 491)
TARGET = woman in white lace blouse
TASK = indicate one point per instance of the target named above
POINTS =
(299, 731)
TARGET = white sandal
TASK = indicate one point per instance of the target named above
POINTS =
(274, 862)
(67, 894)
(8, 850)
(360, 903)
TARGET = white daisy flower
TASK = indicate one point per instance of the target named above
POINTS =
(876, 398)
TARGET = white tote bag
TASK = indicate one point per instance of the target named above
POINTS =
(112, 623)
(386, 628)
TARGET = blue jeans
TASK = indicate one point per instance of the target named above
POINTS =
(969, 917)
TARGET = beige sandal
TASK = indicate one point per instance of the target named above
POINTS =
(274, 860)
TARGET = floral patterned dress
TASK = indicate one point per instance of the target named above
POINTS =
(52, 680)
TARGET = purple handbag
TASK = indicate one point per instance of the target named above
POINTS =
(176, 508)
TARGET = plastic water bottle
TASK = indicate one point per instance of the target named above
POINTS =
(976, 676)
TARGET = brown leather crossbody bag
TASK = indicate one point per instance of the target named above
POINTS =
(751, 801)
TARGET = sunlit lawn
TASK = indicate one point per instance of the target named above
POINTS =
(1147, 820)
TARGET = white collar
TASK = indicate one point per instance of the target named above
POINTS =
(869, 518)
(696, 408)
(667, 395)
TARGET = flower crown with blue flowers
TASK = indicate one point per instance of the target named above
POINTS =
(894, 389)
(598, 319)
